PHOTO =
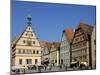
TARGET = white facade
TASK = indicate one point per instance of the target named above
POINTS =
(65, 50)
(54, 54)
(45, 54)
(26, 50)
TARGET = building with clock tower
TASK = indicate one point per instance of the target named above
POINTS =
(26, 49)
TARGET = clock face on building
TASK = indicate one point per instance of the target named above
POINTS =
(29, 42)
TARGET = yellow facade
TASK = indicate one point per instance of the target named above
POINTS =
(55, 54)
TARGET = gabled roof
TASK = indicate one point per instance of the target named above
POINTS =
(86, 28)
(46, 44)
(18, 37)
(43, 43)
(69, 34)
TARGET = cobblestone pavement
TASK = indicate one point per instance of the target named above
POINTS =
(53, 69)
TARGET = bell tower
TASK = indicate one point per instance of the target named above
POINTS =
(29, 19)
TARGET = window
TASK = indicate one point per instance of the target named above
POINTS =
(55, 61)
(41, 51)
(28, 61)
(23, 41)
(61, 61)
(33, 51)
(76, 39)
(20, 61)
(36, 61)
(26, 34)
(31, 34)
(37, 52)
(33, 42)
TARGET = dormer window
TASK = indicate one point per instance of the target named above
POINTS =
(33, 51)
(26, 34)
(37, 52)
(23, 41)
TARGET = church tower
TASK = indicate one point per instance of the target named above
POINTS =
(26, 48)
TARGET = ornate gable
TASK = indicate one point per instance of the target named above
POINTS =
(28, 37)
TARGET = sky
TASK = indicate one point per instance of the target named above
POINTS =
(49, 19)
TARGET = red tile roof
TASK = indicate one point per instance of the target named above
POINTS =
(43, 43)
(69, 34)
